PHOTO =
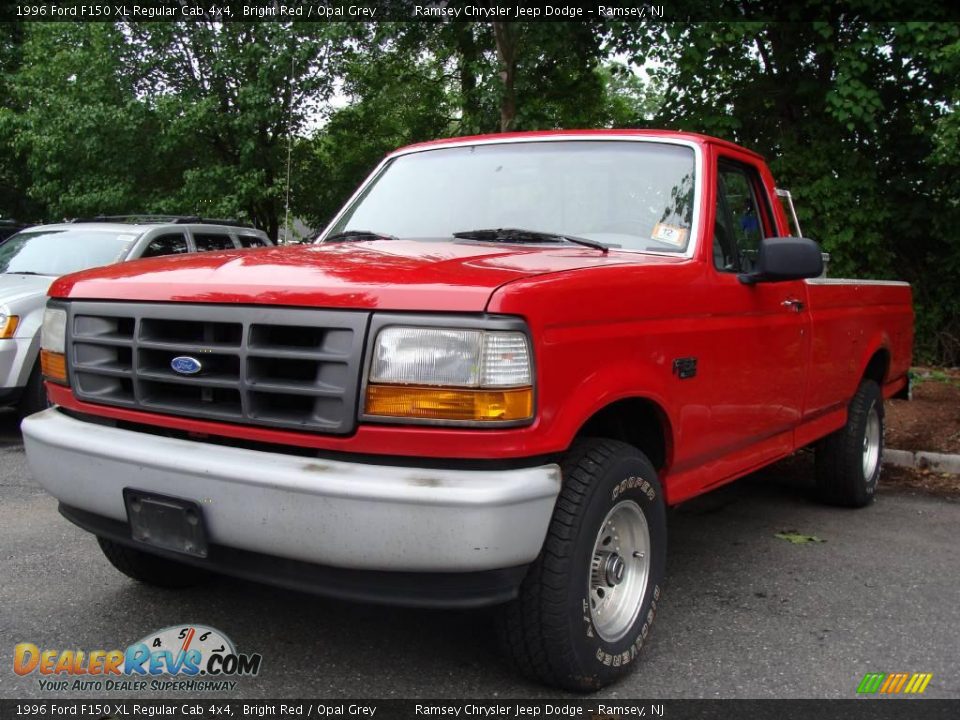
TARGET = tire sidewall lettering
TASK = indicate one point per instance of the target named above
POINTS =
(631, 483)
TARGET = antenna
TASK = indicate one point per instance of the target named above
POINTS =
(286, 212)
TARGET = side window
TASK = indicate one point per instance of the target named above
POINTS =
(740, 218)
(251, 241)
(207, 241)
(168, 244)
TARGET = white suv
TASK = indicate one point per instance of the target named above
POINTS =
(33, 258)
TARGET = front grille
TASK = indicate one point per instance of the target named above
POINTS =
(278, 367)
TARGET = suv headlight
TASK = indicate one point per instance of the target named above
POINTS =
(53, 341)
(8, 325)
(451, 375)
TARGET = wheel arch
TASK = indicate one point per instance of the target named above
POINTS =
(29, 360)
(638, 421)
(877, 367)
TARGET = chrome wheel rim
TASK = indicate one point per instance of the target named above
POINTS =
(871, 443)
(619, 570)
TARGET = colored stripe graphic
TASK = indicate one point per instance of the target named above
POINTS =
(919, 683)
(889, 683)
(871, 682)
(894, 683)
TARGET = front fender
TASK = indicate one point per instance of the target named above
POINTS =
(607, 385)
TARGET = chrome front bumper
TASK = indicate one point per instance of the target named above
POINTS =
(327, 512)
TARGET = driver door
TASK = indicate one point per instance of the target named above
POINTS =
(759, 344)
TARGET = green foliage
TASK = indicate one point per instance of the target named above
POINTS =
(14, 175)
(81, 130)
(229, 98)
(167, 117)
(397, 97)
(918, 377)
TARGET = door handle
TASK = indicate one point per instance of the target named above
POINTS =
(793, 303)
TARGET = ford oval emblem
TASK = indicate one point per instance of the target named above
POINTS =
(186, 365)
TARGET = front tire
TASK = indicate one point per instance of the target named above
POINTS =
(850, 460)
(587, 604)
(148, 568)
(34, 398)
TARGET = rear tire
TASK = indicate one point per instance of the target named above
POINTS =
(588, 601)
(34, 398)
(150, 569)
(850, 460)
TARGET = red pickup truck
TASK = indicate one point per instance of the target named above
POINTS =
(501, 362)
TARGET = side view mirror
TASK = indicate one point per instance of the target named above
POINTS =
(785, 258)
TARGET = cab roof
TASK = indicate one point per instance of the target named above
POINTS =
(697, 138)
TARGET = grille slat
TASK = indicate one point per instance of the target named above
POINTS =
(187, 347)
(109, 341)
(105, 370)
(298, 355)
(213, 382)
(294, 389)
(278, 367)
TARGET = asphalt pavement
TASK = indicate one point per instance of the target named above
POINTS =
(744, 614)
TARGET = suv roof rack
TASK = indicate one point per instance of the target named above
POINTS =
(175, 219)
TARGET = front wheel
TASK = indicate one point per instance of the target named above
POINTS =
(587, 604)
(148, 568)
(34, 398)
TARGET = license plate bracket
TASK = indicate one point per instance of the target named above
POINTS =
(166, 522)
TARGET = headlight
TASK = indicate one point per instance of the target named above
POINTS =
(450, 374)
(8, 325)
(53, 335)
(459, 358)
(53, 341)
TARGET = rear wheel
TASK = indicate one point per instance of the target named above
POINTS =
(850, 460)
(150, 569)
(587, 604)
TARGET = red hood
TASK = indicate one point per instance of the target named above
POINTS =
(389, 275)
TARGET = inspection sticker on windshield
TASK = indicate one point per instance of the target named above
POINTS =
(670, 234)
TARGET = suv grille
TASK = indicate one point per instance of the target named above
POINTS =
(279, 367)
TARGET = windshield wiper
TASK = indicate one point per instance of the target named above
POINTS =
(22, 272)
(357, 236)
(519, 235)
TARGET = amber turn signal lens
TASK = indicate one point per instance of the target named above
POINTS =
(465, 405)
(8, 326)
(54, 366)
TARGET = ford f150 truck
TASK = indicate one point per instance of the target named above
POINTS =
(501, 362)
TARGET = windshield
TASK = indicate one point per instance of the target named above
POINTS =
(60, 252)
(635, 195)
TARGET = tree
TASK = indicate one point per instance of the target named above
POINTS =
(14, 174)
(77, 123)
(396, 95)
(229, 97)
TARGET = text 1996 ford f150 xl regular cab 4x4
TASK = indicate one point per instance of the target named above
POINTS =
(502, 361)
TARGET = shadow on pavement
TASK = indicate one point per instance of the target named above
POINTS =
(9, 428)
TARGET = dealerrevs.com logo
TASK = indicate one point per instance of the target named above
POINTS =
(181, 657)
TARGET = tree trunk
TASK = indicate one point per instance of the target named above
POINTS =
(506, 38)
(469, 101)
